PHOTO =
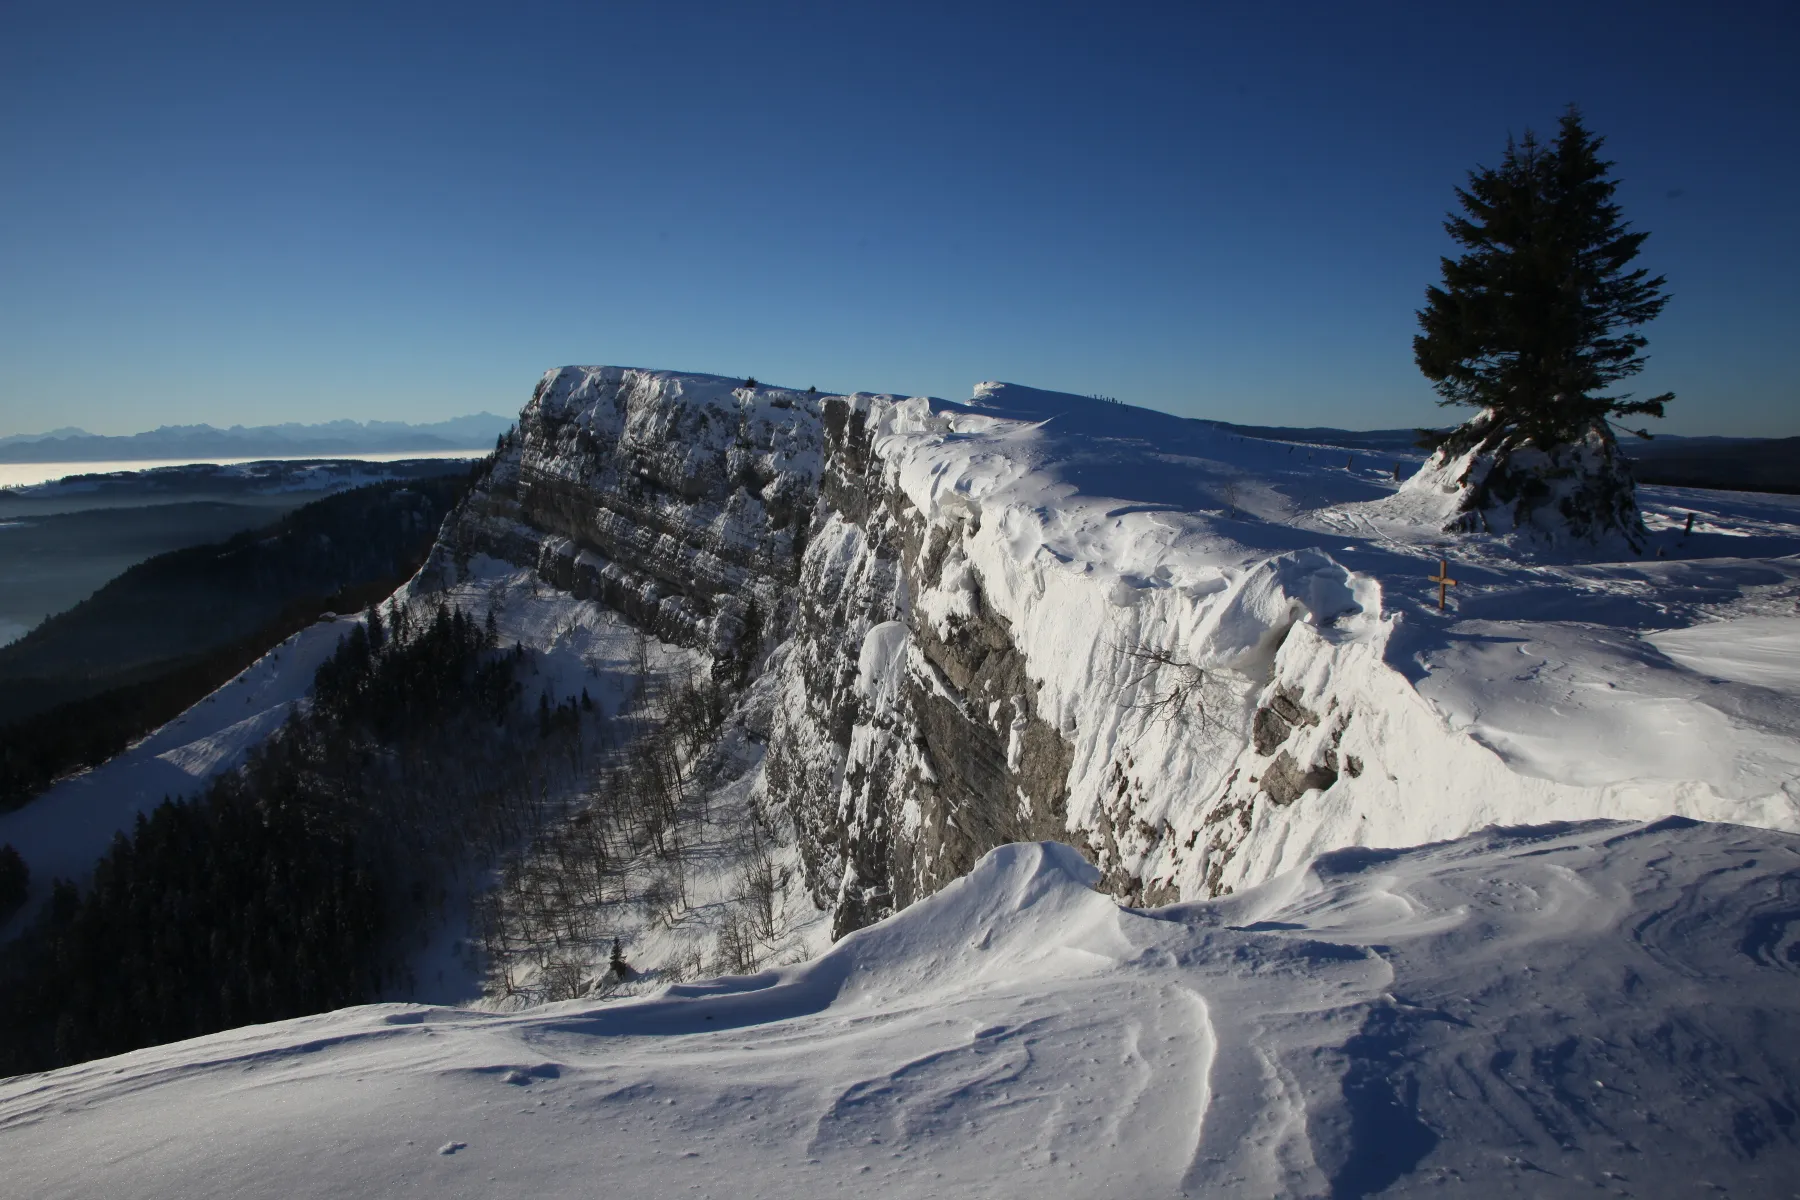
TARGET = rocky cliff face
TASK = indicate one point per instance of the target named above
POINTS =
(735, 519)
(1016, 619)
(956, 681)
(913, 733)
(681, 501)
(906, 748)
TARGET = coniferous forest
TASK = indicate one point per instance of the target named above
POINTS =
(293, 883)
(175, 627)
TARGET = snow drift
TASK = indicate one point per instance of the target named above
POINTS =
(1536, 1011)
(1577, 493)
(1205, 657)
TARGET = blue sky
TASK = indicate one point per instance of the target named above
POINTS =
(257, 213)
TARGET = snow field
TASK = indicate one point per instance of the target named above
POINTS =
(1544, 1011)
(1623, 690)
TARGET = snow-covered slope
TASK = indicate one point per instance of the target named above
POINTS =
(1557, 1011)
(63, 832)
(1205, 657)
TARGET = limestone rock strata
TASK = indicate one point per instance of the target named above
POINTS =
(731, 518)
(681, 501)
(915, 730)
(905, 752)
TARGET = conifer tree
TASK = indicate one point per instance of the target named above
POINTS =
(1532, 325)
(1537, 319)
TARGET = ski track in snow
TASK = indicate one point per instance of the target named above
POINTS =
(1467, 1014)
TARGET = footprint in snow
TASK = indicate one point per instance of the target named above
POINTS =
(452, 1147)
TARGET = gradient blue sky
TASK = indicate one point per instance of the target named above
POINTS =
(261, 212)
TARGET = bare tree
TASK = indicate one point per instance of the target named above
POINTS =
(1170, 688)
(761, 888)
(562, 979)
(1231, 491)
(737, 944)
(640, 669)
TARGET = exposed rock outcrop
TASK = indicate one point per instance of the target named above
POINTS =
(933, 753)
(967, 648)
(1581, 490)
(681, 501)
(918, 726)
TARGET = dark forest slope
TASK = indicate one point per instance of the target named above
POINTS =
(85, 684)
(177, 605)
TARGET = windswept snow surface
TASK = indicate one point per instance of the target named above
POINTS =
(1551, 686)
(1547, 1011)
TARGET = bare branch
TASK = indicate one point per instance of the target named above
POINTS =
(1179, 690)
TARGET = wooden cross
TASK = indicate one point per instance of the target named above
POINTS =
(1443, 580)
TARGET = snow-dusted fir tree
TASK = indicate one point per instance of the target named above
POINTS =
(1531, 326)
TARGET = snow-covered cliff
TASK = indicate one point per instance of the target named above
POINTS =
(1217, 667)
(681, 501)
(1199, 657)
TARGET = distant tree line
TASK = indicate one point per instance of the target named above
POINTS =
(45, 747)
(168, 611)
(336, 555)
(300, 881)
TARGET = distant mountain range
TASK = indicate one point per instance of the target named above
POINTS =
(476, 432)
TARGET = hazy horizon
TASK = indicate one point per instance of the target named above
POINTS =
(1443, 417)
(161, 426)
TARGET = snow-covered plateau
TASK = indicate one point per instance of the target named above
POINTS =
(1156, 829)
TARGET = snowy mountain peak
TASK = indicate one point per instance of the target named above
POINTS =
(291, 439)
